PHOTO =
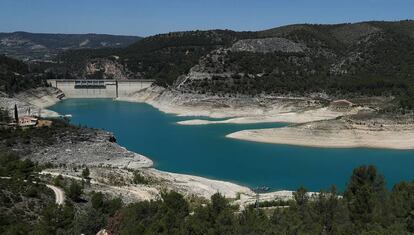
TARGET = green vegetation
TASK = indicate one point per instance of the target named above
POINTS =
(21, 204)
(16, 114)
(75, 191)
(78, 218)
(267, 204)
(338, 61)
(139, 179)
(167, 56)
(109, 207)
(85, 173)
(29, 138)
(366, 207)
(55, 220)
(21, 200)
(341, 60)
(162, 57)
(344, 60)
(279, 76)
(12, 166)
(15, 76)
(29, 208)
(4, 116)
(52, 44)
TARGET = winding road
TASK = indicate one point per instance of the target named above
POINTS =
(59, 194)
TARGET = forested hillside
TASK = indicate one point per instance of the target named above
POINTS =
(366, 207)
(366, 59)
(162, 57)
(369, 59)
(15, 76)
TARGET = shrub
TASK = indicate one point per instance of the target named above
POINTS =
(85, 173)
(75, 191)
(139, 179)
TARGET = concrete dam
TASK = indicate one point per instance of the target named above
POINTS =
(100, 88)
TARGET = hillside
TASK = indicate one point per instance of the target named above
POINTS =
(15, 76)
(163, 57)
(344, 60)
(371, 59)
(40, 46)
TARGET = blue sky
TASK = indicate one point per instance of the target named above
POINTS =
(148, 17)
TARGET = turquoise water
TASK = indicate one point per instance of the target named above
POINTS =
(204, 150)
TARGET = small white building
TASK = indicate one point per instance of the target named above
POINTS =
(27, 121)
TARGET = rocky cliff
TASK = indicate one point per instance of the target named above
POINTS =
(107, 69)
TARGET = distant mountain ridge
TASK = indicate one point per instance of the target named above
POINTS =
(45, 46)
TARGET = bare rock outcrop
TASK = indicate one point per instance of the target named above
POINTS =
(32, 101)
(107, 69)
(91, 148)
(268, 45)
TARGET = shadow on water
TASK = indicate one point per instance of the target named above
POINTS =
(203, 150)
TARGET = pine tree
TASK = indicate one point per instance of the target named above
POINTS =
(16, 114)
(85, 173)
(365, 195)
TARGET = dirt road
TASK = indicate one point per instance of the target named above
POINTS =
(59, 194)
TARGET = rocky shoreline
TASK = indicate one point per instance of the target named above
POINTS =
(110, 160)
(339, 135)
(93, 148)
(34, 101)
(242, 109)
(314, 124)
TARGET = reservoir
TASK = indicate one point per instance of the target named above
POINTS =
(204, 150)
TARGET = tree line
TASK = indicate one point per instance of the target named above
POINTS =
(365, 207)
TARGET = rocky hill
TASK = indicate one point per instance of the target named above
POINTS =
(344, 60)
(348, 60)
(39, 46)
(163, 57)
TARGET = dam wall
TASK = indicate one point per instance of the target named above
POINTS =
(126, 88)
(99, 88)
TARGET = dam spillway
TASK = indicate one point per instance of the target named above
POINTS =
(85, 88)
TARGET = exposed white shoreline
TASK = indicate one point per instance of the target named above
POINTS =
(352, 138)
(284, 111)
(326, 137)
(288, 117)
(289, 135)
(186, 184)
